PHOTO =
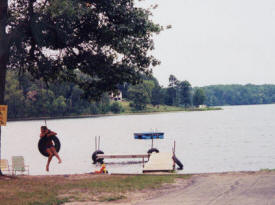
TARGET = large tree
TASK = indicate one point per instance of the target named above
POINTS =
(198, 97)
(185, 93)
(106, 41)
(172, 97)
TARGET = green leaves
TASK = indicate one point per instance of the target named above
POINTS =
(198, 97)
(106, 40)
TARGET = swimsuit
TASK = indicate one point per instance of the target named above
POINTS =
(48, 142)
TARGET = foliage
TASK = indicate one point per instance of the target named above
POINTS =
(96, 45)
(116, 108)
(32, 98)
(26, 99)
(158, 95)
(198, 97)
(217, 95)
(172, 97)
(185, 93)
(139, 96)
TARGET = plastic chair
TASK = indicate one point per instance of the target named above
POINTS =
(18, 164)
(4, 165)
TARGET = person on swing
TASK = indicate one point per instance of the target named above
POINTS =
(50, 149)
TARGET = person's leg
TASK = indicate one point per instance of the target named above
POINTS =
(49, 151)
(56, 154)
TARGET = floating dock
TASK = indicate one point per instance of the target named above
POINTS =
(116, 156)
(157, 162)
(149, 135)
(160, 162)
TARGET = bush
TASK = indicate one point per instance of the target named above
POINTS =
(116, 107)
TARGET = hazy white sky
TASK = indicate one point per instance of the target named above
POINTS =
(216, 41)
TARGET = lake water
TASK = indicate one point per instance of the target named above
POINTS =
(237, 138)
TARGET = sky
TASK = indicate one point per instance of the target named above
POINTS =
(215, 41)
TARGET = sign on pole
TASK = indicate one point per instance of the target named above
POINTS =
(3, 115)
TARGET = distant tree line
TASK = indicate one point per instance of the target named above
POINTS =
(178, 93)
(33, 98)
(27, 98)
(217, 95)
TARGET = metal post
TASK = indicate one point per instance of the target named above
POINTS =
(174, 155)
(143, 162)
(95, 143)
(98, 142)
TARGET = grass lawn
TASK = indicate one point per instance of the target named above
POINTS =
(53, 190)
(162, 108)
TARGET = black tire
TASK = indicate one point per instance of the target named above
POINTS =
(94, 155)
(42, 145)
(153, 150)
(178, 162)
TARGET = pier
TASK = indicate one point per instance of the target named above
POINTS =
(156, 162)
(160, 162)
(118, 156)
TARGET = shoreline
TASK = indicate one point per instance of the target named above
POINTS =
(146, 174)
(111, 114)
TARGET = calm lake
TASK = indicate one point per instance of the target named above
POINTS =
(237, 138)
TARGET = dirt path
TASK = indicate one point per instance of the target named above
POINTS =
(224, 189)
(241, 188)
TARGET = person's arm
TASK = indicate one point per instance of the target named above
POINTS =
(42, 134)
(51, 133)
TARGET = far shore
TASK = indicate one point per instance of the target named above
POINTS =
(113, 114)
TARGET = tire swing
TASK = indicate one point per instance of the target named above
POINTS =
(94, 157)
(42, 145)
(150, 151)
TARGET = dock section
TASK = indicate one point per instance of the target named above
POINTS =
(116, 156)
(159, 162)
(119, 156)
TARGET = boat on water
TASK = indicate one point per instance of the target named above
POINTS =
(149, 135)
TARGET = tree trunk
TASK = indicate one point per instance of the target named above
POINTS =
(4, 53)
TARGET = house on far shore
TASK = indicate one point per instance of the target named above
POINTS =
(116, 96)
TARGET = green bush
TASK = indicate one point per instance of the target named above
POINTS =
(116, 107)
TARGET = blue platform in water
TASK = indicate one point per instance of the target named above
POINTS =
(149, 135)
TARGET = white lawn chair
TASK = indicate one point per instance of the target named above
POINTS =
(4, 165)
(18, 165)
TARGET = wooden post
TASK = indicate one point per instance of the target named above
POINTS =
(3, 121)
(0, 152)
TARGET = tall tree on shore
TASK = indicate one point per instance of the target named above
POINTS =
(172, 97)
(198, 97)
(107, 41)
(185, 93)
